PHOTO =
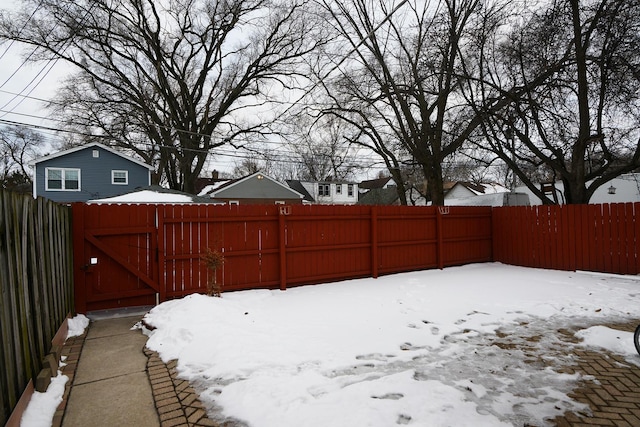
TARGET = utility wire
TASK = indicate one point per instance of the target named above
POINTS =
(19, 34)
(21, 95)
(278, 155)
(348, 54)
(220, 151)
(50, 63)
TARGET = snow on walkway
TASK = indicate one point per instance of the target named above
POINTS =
(464, 346)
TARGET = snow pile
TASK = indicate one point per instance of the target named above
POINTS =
(42, 406)
(146, 196)
(619, 342)
(467, 346)
(77, 325)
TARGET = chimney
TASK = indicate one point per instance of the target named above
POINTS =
(214, 174)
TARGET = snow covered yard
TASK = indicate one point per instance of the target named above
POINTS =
(466, 346)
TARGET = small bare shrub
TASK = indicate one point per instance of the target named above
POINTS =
(213, 259)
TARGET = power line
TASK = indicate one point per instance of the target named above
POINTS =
(28, 97)
(21, 95)
(19, 34)
(50, 63)
(348, 54)
(285, 156)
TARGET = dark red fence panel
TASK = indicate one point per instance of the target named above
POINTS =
(247, 237)
(601, 238)
(324, 243)
(128, 255)
(152, 252)
(406, 238)
(466, 235)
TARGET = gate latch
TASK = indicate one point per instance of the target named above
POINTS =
(92, 261)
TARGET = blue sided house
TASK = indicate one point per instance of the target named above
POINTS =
(92, 171)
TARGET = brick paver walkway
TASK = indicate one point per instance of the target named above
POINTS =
(71, 354)
(176, 401)
(613, 395)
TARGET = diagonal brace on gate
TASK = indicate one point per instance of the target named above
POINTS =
(123, 262)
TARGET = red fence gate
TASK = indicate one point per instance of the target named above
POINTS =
(128, 255)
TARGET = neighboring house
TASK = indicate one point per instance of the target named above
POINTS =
(472, 194)
(203, 185)
(379, 191)
(374, 184)
(495, 199)
(380, 196)
(154, 194)
(623, 189)
(207, 189)
(296, 185)
(327, 192)
(91, 171)
(254, 189)
(461, 190)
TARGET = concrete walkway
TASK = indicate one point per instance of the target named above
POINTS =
(111, 386)
(115, 381)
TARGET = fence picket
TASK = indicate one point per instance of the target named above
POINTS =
(35, 288)
(582, 237)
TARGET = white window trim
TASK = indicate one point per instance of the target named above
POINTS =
(126, 177)
(350, 188)
(338, 188)
(326, 186)
(64, 170)
(234, 202)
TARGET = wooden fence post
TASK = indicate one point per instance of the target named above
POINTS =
(79, 268)
(439, 238)
(374, 242)
(160, 251)
(284, 210)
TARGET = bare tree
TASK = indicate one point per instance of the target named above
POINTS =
(18, 146)
(402, 87)
(250, 165)
(323, 148)
(581, 124)
(170, 80)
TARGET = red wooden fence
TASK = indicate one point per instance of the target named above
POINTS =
(127, 255)
(602, 238)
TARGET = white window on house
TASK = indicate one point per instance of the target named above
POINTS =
(96, 154)
(350, 190)
(119, 177)
(338, 188)
(324, 190)
(62, 179)
(280, 202)
(234, 202)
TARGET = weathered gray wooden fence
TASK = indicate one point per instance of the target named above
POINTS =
(36, 288)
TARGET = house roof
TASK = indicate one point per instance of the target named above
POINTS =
(296, 185)
(204, 185)
(154, 194)
(86, 146)
(210, 188)
(258, 175)
(379, 196)
(481, 188)
(374, 183)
